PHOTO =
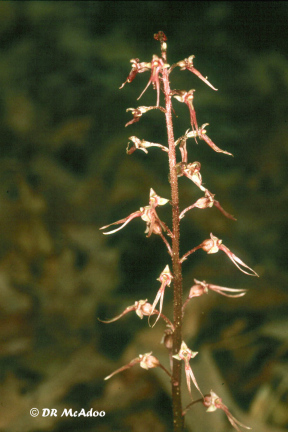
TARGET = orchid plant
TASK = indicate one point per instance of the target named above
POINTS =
(160, 72)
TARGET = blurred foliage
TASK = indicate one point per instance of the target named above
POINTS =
(64, 173)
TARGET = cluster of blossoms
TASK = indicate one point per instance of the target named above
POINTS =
(160, 69)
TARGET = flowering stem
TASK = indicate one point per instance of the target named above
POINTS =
(178, 420)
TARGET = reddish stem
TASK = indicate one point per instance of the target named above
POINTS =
(178, 420)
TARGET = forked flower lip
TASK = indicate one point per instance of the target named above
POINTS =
(213, 402)
(186, 354)
(213, 245)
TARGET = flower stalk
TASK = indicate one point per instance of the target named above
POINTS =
(172, 340)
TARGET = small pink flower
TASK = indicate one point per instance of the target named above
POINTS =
(137, 112)
(201, 288)
(148, 214)
(146, 361)
(142, 308)
(188, 64)
(187, 98)
(186, 354)
(136, 68)
(157, 65)
(214, 402)
(191, 171)
(182, 145)
(213, 245)
(207, 202)
(194, 291)
(142, 145)
(165, 278)
(202, 135)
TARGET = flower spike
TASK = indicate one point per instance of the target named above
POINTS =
(186, 354)
(213, 402)
(188, 64)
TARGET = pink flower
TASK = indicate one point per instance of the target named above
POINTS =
(146, 361)
(214, 402)
(186, 354)
(137, 112)
(157, 65)
(201, 288)
(202, 135)
(206, 202)
(148, 214)
(213, 245)
(187, 98)
(191, 171)
(153, 223)
(188, 64)
(165, 278)
(136, 68)
(182, 145)
(142, 145)
(142, 308)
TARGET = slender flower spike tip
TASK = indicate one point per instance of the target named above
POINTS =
(186, 354)
(160, 36)
(165, 278)
(214, 402)
(188, 64)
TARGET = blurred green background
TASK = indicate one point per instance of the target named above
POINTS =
(65, 173)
